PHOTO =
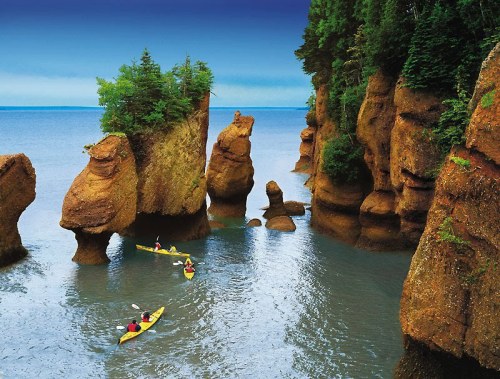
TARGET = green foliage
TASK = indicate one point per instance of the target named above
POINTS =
(450, 130)
(143, 98)
(342, 159)
(446, 233)
(488, 99)
(465, 163)
(434, 49)
(435, 44)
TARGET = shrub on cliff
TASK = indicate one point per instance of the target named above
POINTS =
(342, 159)
(143, 98)
(450, 130)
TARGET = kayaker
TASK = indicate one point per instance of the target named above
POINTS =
(133, 326)
(145, 316)
(189, 267)
(157, 246)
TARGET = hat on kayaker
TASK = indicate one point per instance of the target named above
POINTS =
(134, 321)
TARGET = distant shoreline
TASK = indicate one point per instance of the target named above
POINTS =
(56, 107)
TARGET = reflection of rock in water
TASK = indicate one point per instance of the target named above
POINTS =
(419, 362)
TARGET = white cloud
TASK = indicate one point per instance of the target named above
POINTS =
(42, 90)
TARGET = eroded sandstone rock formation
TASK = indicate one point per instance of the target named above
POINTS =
(17, 191)
(230, 170)
(379, 221)
(305, 162)
(150, 184)
(335, 207)
(102, 199)
(172, 187)
(276, 206)
(414, 158)
(450, 298)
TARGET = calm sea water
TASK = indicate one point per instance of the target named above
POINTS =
(263, 304)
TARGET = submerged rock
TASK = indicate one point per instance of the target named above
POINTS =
(281, 223)
(17, 191)
(294, 208)
(254, 222)
(216, 224)
(230, 170)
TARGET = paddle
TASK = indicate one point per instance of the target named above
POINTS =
(178, 263)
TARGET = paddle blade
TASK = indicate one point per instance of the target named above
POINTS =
(151, 331)
(136, 306)
(120, 327)
(177, 263)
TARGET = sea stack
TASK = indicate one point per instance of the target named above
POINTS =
(230, 170)
(17, 191)
(102, 199)
(172, 186)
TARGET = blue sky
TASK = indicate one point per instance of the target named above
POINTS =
(52, 50)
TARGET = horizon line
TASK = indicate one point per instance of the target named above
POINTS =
(39, 107)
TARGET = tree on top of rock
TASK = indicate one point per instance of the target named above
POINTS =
(143, 98)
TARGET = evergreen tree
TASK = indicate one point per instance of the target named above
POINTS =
(143, 98)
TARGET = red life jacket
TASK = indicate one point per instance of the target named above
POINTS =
(133, 327)
(145, 319)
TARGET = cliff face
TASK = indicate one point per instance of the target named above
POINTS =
(305, 162)
(394, 128)
(172, 185)
(17, 191)
(102, 199)
(413, 157)
(380, 223)
(230, 170)
(450, 296)
(335, 207)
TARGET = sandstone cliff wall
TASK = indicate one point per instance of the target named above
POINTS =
(394, 128)
(335, 207)
(450, 298)
(17, 191)
(380, 223)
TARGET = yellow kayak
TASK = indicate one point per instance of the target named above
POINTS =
(188, 275)
(173, 251)
(144, 326)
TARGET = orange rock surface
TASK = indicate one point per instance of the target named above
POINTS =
(17, 191)
(230, 170)
(450, 298)
(102, 199)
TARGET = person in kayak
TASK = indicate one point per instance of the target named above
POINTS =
(133, 326)
(189, 267)
(145, 316)
(157, 246)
